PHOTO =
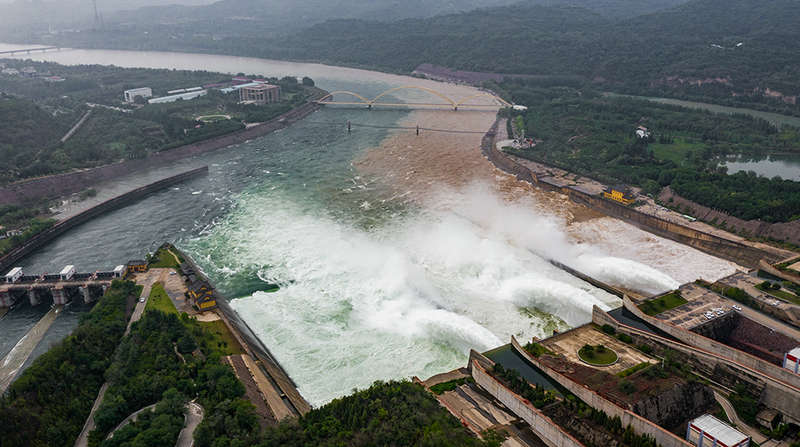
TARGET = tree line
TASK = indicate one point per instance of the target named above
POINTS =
(594, 135)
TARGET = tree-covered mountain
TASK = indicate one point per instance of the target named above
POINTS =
(729, 52)
(255, 18)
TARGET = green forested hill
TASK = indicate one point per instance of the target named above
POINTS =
(724, 51)
(26, 125)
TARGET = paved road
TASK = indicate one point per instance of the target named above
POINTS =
(194, 414)
(83, 439)
(147, 279)
(741, 425)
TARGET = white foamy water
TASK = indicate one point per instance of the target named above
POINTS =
(410, 296)
(373, 288)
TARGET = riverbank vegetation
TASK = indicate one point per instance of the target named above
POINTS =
(37, 114)
(594, 135)
(50, 401)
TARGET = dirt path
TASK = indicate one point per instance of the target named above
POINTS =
(13, 361)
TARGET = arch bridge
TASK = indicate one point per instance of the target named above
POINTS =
(327, 99)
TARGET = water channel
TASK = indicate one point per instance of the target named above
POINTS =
(395, 253)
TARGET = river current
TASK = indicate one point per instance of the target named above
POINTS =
(395, 253)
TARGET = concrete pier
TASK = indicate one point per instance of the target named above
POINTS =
(33, 296)
(87, 296)
(13, 361)
(59, 295)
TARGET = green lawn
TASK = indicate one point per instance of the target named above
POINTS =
(658, 305)
(597, 357)
(159, 300)
(780, 294)
(165, 260)
(676, 151)
(223, 340)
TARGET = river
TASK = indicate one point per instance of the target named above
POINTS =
(395, 253)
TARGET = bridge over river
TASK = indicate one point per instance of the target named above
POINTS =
(29, 50)
(328, 99)
(62, 287)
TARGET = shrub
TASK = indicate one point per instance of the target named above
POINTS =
(625, 338)
(626, 386)
(608, 329)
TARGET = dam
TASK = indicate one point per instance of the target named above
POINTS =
(395, 253)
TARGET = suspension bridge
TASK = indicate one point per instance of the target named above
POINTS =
(328, 99)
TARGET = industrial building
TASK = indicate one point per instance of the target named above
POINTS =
(791, 360)
(259, 94)
(708, 431)
(144, 92)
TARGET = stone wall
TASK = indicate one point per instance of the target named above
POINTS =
(784, 231)
(65, 184)
(774, 394)
(681, 403)
(640, 425)
(59, 228)
(543, 427)
(706, 344)
(737, 252)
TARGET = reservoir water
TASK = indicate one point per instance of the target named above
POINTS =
(395, 253)
(786, 166)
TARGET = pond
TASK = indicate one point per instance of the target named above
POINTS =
(786, 166)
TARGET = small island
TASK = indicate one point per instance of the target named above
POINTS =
(597, 355)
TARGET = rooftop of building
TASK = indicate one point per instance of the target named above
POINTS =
(719, 430)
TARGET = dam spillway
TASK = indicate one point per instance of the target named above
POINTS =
(395, 255)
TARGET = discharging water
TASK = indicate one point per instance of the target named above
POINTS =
(395, 253)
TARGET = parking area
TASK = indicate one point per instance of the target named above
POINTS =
(703, 305)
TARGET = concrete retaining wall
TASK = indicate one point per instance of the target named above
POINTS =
(60, 227)
(65, 184)
(640, 425)
(774, 394)
(548, 431)
(714, 245)
(714, 347)
(256, 349)
(775, 272)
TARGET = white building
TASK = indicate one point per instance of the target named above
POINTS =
(791, 360)
(14, 275)
(10, 71)
(642, 132)
(67, 273)
(144, 92)
(171, 98)
(708, 431)
(119, 271)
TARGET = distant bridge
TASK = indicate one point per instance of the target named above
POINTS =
(374, 102)
(29, 50)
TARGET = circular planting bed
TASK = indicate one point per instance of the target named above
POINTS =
(597, 355)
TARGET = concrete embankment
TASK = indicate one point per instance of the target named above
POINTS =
(733, 251)
(62, 185)
(13, 361)
(61, 227)
(270, 368)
